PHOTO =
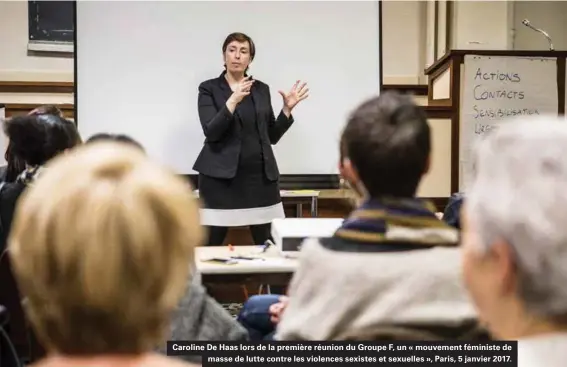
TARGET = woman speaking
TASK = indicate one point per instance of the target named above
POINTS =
(238, 173)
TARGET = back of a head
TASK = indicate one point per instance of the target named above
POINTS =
(104, 258)
(387, 139)
(35, 139)
(519, 195)
(54, 110)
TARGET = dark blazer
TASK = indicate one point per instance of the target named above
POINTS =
(10, 192)
(221, 151)
(3, 172)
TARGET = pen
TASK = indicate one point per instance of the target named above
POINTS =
(267, 245)
(246, 258)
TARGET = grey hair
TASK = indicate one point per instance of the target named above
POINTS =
(519, 195)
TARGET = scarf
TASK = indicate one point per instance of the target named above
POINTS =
(395, 220)
(29, 175)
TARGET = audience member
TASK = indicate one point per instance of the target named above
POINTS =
(198, 316)
(122, 138)
(34, 140)
(515, 238)
(392, 270)
(71, 127)
(101, 290)
(15, 166)
(260, 315)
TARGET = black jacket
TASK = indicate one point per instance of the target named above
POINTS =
(9, 195)
(221, 151)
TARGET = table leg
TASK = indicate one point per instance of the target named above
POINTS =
(299, 210)
(314, 206)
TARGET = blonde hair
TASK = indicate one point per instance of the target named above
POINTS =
(102, 246)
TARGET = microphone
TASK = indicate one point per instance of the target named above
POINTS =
(546, 35)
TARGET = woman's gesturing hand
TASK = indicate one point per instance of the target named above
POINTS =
(242, 89)
(296, 94)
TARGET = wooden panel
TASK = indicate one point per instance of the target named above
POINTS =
(440, 79)
(24, 108)
(437, 181)
(36, 87)
(414, 89)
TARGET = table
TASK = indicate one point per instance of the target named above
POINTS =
(273, 269)
(298, 198)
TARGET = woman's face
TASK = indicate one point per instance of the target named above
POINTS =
(237, 56)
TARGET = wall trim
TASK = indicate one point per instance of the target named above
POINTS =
(415, 89)
(36, 87)
(13, 109)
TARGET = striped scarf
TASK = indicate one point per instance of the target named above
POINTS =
(388, 220)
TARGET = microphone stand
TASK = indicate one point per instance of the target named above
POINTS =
(546, 35)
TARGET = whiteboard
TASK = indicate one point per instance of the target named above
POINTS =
(139, 64)
(496, 90)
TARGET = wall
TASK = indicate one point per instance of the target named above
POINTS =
(403, 41)
(498, 24)
(476, 24)
(402, 65)
(15, 64)
(484, 25)
(551, 16)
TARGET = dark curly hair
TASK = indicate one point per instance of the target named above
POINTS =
(35, 139)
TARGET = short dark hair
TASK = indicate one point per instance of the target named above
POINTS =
(37, 138)
(239, 37)
(121, 138)
(387, 139)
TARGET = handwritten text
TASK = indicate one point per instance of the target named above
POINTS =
(483, 94)
(498, 76)
(497, 113)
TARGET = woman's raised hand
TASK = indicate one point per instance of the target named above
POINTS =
(242, 89)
